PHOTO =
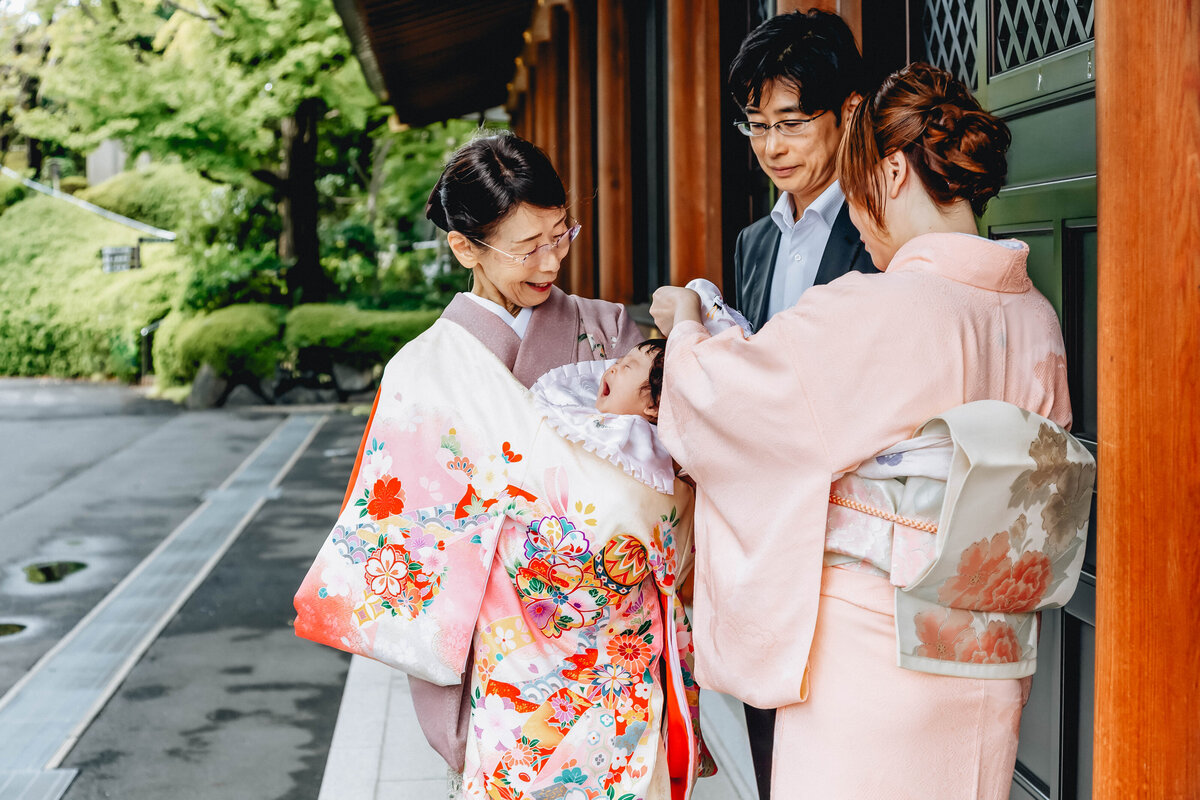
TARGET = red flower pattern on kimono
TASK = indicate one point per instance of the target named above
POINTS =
(630, 651)
(945, 634)
(387, 498)
(1022, 588)
(997, 645)
(979, 564)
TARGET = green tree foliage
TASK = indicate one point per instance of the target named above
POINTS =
(239, 89)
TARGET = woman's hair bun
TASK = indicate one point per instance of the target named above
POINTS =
(964, 147)
(486, 178)
(435, 210)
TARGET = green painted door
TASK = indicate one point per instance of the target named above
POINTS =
(1032, 63)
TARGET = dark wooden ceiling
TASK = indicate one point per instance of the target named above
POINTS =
(437, 59)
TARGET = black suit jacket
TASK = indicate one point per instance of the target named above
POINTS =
(758, 247)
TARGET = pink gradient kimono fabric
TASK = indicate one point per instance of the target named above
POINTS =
(851, 369)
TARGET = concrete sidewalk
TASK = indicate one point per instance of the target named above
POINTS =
(378, 752)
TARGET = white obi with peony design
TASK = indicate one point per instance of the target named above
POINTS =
(979, 521)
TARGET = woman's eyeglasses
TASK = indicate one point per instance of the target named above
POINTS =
(560, 243)
(787, 127)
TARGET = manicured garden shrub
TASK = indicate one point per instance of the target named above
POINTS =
(11, 193)
(73, 184)
(238, 342)
(162, 195)
(320, 334)
(60, 315)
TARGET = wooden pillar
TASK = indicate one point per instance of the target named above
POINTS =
(580, 149)
(1147, 730)
(614, 163)
(546, 94)
(849, 10)
(694, 86)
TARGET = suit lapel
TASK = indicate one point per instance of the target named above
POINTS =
(760, 272)
(842, 251)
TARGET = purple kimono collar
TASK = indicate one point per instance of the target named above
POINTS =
(549, 339)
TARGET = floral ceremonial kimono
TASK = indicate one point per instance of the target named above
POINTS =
(564, 329)
(853, 368)
(471, 525)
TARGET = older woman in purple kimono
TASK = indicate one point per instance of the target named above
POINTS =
(503, 208)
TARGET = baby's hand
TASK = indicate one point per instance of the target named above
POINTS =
(672, 305)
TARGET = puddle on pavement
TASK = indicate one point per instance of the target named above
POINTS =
(52, 571)
(9, 628)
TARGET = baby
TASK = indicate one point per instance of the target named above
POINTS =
(633, 383)
(611, 407)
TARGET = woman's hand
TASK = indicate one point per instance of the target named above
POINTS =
(672, 305)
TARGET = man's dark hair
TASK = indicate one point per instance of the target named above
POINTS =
(657, 350)
(811, 52)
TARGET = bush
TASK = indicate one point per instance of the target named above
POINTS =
(11, 193)
(60, 314)
(319, 334)
(237, 342)
(73, 184)
(226, 277)
(162, 195)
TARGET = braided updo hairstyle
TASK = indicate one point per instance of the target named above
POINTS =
(955, 147)
(487, 178)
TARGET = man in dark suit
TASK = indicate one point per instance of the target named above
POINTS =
(797, 77)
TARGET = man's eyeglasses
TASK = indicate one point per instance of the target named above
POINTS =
(787, 127)
(560, 243)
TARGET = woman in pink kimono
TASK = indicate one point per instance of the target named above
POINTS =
(482, 532)
(765, 424)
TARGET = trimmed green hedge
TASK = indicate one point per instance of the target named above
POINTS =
(11, 193)
(236, 341)
(245, 339)
(317, 334)
(163, 195)
(61, 315)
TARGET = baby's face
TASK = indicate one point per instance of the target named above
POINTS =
(624, 388)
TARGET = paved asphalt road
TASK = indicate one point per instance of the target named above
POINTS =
(225, 702)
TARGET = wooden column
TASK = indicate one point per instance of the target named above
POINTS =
(614, 164)
(694, 85)
(1147, 735)
(580, 150)
(546, 94)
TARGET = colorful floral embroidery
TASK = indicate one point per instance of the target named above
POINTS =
(556, 540)
(551, 600)
(622, 564)
(631, 651)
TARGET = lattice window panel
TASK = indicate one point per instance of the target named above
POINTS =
(1026, 30)
(949, 34)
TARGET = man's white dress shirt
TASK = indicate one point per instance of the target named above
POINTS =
(801, 245)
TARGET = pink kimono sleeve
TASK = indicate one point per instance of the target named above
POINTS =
(763, 425)
(736, 418)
